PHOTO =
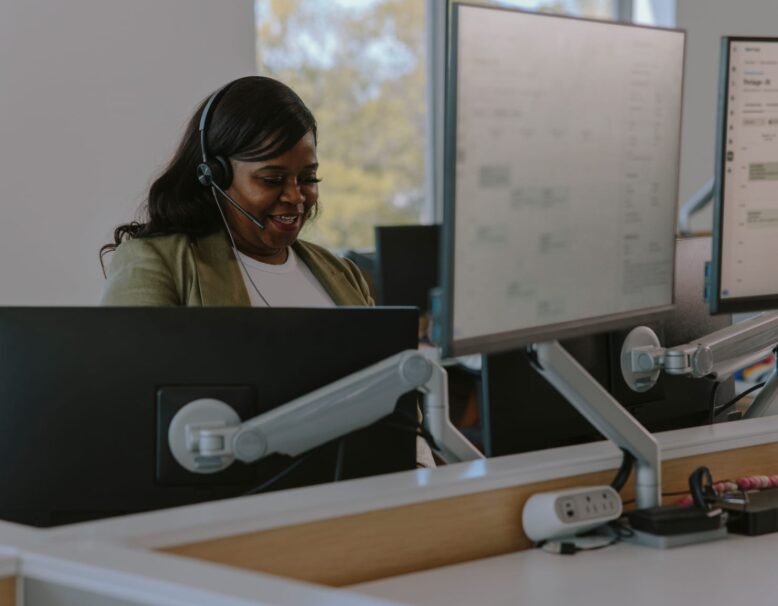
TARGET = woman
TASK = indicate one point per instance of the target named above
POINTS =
(247, 161)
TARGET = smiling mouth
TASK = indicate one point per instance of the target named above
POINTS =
(286, 222)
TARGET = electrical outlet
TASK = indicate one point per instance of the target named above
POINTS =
(564, 513)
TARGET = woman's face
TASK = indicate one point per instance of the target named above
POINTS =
(280, 192)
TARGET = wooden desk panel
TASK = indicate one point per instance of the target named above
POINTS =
(378, 544)
(8, 591)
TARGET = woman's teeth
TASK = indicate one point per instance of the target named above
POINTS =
(288, 219)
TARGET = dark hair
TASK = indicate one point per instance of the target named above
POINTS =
(257, 118)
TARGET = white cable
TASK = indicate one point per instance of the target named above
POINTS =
(235, 247)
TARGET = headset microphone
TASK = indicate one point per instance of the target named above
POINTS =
(239, 208)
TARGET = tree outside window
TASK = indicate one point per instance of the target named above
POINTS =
(359, 65)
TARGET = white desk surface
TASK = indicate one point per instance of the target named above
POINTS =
(737, 570)
(112, 558)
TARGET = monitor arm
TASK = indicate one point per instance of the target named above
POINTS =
(695, 204)
(716, 355)
(206, 435)
(608, 416)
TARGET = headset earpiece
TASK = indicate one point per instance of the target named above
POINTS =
(701, 487)
(217, 170)
(204, 174)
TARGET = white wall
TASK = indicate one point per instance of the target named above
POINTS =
(706, 21)
(93, 98)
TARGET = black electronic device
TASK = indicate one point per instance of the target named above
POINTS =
(522, 412)
(406, 264)
(86, 395)
(752, 513)
(671, 520)
(746, 178)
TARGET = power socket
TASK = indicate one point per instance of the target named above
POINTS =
(564, 513)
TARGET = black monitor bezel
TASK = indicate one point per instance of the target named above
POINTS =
(510, 340)
(719, 305)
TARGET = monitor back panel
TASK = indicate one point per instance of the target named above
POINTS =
(80, 390)
(406, 264)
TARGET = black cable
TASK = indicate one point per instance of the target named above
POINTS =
(417, 427)
(569, 547)
(417, 431)
(712, 402)
(627, 463)
(737, 398)
(622, 530)
(281, 474)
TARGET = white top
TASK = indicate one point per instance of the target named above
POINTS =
(288, 285)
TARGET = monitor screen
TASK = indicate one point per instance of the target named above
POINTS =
(87, 395)
(406, 266)
(746, 193)
(561, 178)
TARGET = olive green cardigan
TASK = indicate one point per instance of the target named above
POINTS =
(183, 270)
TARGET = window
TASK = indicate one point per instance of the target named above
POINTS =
(654, 12)
(359, 66)
(596, 9)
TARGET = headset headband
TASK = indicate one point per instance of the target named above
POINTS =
(212, 102)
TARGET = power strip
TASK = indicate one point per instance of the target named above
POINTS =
(564, 513)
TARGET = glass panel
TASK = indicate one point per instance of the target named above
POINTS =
(597, 9)
(359, 65)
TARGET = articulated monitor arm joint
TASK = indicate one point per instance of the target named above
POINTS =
(716, 355)
(207, 435)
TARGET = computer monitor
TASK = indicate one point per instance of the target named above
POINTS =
(406, 264)
(522, 412)
(87, 394)
(746, 184)
(561, 176)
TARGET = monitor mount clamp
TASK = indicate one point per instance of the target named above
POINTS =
(716, 355)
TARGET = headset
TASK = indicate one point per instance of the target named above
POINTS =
(216, 172)
(701, 487)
